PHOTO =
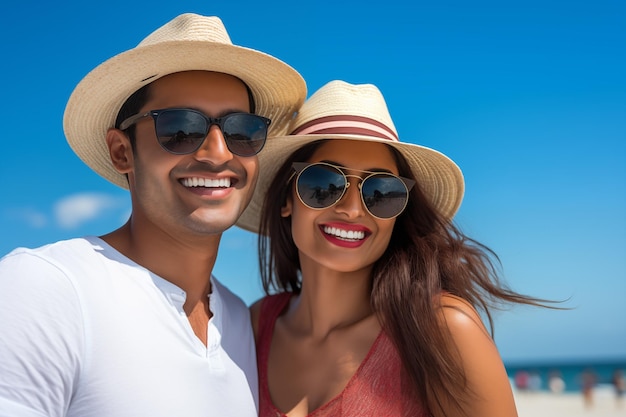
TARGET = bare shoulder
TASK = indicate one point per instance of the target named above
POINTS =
(486, 376)
(461, 316)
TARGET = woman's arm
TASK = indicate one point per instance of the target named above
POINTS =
(489, 390)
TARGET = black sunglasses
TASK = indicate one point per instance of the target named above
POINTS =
(322, 185)
(182, 131)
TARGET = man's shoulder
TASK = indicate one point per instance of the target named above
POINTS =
(53, 249)
(68, 258)
(46, 254)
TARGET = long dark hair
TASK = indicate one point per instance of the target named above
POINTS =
(427, 255)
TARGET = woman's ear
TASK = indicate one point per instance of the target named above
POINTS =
(285, 210)
(120, 151)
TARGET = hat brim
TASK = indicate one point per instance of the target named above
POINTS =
(91, 110)
(437, 175)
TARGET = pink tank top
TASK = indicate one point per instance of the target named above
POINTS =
(376, 389)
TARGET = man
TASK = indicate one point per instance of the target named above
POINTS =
(133, 323)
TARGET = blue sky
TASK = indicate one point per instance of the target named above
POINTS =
(529, 98)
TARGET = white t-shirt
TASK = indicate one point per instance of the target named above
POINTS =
(86, 332)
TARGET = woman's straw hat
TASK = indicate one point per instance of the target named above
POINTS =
(188, 42)
(340, 110)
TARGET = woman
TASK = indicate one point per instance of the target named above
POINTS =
(378, 292)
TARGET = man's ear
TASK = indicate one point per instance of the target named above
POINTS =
(120, 151)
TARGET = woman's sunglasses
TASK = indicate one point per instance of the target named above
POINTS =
(182, 131)
(322, 185)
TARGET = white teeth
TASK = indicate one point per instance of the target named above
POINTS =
(206, 182)
(344, 234)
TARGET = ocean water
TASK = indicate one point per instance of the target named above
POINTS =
(572, 374)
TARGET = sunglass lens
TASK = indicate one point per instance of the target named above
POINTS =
(320, 186)
(181, 131)
(385, 196)
(245, 134)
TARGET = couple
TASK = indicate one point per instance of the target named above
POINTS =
(374, 291)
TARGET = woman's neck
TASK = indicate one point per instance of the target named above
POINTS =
(329, 301)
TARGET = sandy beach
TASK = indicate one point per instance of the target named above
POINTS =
(546, 404)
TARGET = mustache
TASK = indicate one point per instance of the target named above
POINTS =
(203, 168)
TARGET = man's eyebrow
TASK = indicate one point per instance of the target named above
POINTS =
(222, 113)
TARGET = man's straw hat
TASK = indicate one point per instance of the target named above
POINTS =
(188, 42)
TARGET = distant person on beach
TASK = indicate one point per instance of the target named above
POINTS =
(556, 384)
(378, 292)
(534, 381)
(588, 380)
(619, 385)
(522, 380)
(133, 323)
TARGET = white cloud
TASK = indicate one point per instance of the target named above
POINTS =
(72, 211)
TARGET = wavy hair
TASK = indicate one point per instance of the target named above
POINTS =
(427, 255)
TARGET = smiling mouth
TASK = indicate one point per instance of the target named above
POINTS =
(206, 182)
(349, 235)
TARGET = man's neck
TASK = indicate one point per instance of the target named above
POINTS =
(185, 262)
